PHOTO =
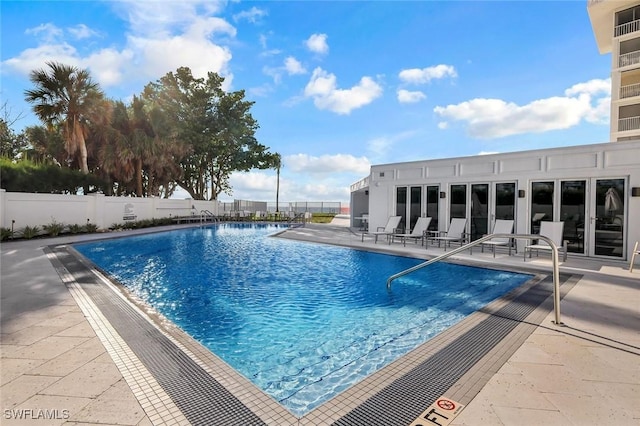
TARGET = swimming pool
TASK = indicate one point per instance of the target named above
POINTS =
(301, 321)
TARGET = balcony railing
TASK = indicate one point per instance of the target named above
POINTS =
(626, 124)
(630, 58)
(629, 27)
(630, 91)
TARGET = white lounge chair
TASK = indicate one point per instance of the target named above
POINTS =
(389, 229)
(456, 232)
(418, 232)
(501, 226)
(634, 253)
(553, 231)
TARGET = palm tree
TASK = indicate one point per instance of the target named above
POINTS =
(67, 96)
(277, 164)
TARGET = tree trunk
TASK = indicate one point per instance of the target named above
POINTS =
(138, 171)
(277, 188)
(80, 144)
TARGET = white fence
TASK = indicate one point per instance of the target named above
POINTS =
(18, 209)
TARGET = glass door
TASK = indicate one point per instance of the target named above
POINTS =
(505, 203)
(408, 205)
(433, 197)
(415, 206)
(541, 204)
(458, 202)
(573, 196)
(607, 219)
(401, 205)
(479, 210)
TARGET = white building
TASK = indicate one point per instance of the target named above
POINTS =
(616, 25)
(568, 184)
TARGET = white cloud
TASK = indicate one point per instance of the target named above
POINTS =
(48, 33)
(81, 31)
(36, 58)
(407, 97)
(163, 36)
(252, 15)
(154, 19)
(317, 43)
(495, 118)
(293, 66)
(592, 87)
(261, 91)
(322, 88)
(379, 147)
(261, 186)
(327, 164)
(425, 75)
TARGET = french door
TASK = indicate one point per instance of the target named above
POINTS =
(483, 203)
(607, 218)
(408, 205)
(593, 212)
(415, 201)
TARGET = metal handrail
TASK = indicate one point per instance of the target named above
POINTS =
(205, 214)
(554, 256)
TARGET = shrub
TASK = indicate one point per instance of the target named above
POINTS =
(54, 228)
(75, 228)
(91, 227)
(29, 232)
(26, 176)
(5, 234)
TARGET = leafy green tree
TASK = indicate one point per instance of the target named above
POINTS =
(215, 128)
(11, 144)
(67, 96)
(45, 146)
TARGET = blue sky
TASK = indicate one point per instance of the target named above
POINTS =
(339, 86)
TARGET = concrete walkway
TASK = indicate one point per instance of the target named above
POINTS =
(54, 369)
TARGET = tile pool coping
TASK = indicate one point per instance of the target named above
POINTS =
(351, 406)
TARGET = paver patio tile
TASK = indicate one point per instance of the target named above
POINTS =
(10, 368)
(22, 388)
(478, 414)
(70, 361)
(116, 405)
(65, 320)
(89, 381)
(83, 329)
(7, 351)
(554, 379)
(592, 410)
(530, 416)
(30, 335)
(514, 391)
(49, 347)
(625, 396)
(531, 353)
(53, 410)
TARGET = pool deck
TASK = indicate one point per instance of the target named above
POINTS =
(55, 368)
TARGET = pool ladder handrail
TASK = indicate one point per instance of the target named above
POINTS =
(554, 256)
(205, 215)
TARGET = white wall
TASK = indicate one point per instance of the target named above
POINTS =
(608, 160)
(22, 209)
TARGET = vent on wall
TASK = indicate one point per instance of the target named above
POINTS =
(381, 174)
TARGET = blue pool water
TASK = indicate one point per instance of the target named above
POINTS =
(302, 321)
